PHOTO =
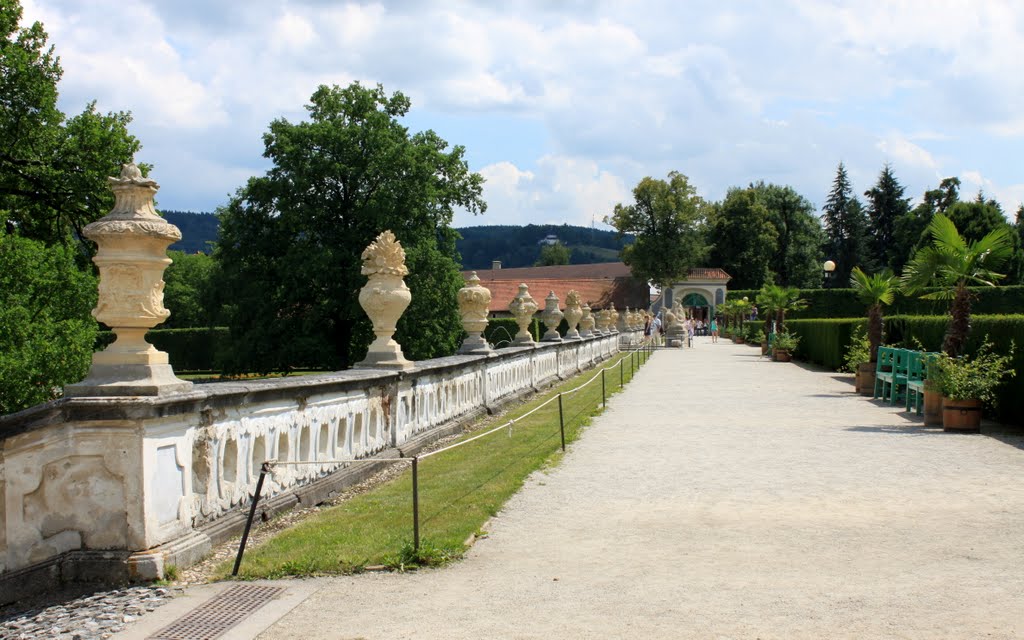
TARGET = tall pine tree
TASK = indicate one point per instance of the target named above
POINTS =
(886, 205)
(845, 230)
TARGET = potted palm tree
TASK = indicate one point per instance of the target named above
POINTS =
(874, 291)
(951, 264)
(784, 346)
(777, 300)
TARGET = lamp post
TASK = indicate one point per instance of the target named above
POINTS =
(828, 268)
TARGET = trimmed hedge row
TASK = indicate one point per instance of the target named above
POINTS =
(825, 341)
(843, 303)
(190, 349)
(194, 349)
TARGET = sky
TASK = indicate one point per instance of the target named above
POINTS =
(563, 106)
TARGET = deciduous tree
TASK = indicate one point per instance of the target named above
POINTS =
(290, 245)
(796, 261)
(742, 238)
(667, 218)
(52, 170)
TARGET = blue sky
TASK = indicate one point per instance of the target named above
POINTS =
(564, 105)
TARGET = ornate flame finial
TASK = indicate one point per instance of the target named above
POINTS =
(384, 256)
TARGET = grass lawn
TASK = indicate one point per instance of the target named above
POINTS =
(459, 490)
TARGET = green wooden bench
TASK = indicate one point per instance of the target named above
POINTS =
(883, 370)
(917, 373)
(897, 382)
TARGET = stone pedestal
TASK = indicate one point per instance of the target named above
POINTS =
(131, 257)
(384, 298)
(522, 309)
(473, 302)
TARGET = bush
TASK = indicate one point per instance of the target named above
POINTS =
(858, 351)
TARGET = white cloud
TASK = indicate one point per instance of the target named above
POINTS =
(560, 190)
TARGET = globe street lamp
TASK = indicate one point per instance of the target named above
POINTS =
(829, 267)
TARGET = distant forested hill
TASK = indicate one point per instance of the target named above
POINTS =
(518, 246)
(198, 230)
(515, 246)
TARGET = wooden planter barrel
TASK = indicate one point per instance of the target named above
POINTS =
(782, 355)
(932, 405)
(961, 415)
(866, 378)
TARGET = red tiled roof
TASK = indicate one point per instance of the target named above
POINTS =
(708, 274)
(621, 292)
(601, 270)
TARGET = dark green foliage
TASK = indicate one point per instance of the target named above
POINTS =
(554, 254)
(667, 218)
(516, 246)
(501, 331)
(190, 349)
(885, 206)
(796, 260)
(824, 341)
(46, 330)
(187, 290)
(290, 246)
(199, 231)
(1001, 331)
(742, 238)
(52, 170)
(843, 303)
(846, 230)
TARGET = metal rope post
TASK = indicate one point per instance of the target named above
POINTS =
(416, 503)
(561, 421)
(604, 396)
(252, 513)
(622, 375)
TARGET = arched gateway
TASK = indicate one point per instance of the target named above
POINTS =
(700, 293)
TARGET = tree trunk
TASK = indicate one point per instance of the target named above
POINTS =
(959, 322)
(875, 330)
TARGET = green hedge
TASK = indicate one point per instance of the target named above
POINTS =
(843, 303)
(188, 349)
(824, 341)
(501, 331)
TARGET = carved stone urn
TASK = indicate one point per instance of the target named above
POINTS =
(613, 325)
(473, 308)
(384, 298)
(586, 322)
(522, 308)
(573, 314)
(626, 321)
(551, 316)
(132, 256)
(603, 318)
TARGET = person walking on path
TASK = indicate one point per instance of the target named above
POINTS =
(714, 330)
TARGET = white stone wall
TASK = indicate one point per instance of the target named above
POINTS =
(134, 473)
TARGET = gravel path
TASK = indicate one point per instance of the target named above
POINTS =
(723, 496)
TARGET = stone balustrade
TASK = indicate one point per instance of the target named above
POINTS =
(121, 487)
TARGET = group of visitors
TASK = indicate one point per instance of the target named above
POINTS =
(654, 329)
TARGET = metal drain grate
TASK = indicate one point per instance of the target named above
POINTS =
(218, 614)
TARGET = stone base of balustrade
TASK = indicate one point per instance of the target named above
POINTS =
(128, 380)
(107, 567)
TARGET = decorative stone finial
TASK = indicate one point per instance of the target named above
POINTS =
(473, 302)
(551, 316)
(573, 313)
(522, 307)
(614, 318)
(132, 245)
(384, 298)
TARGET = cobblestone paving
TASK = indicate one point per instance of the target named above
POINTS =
(70, 616)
